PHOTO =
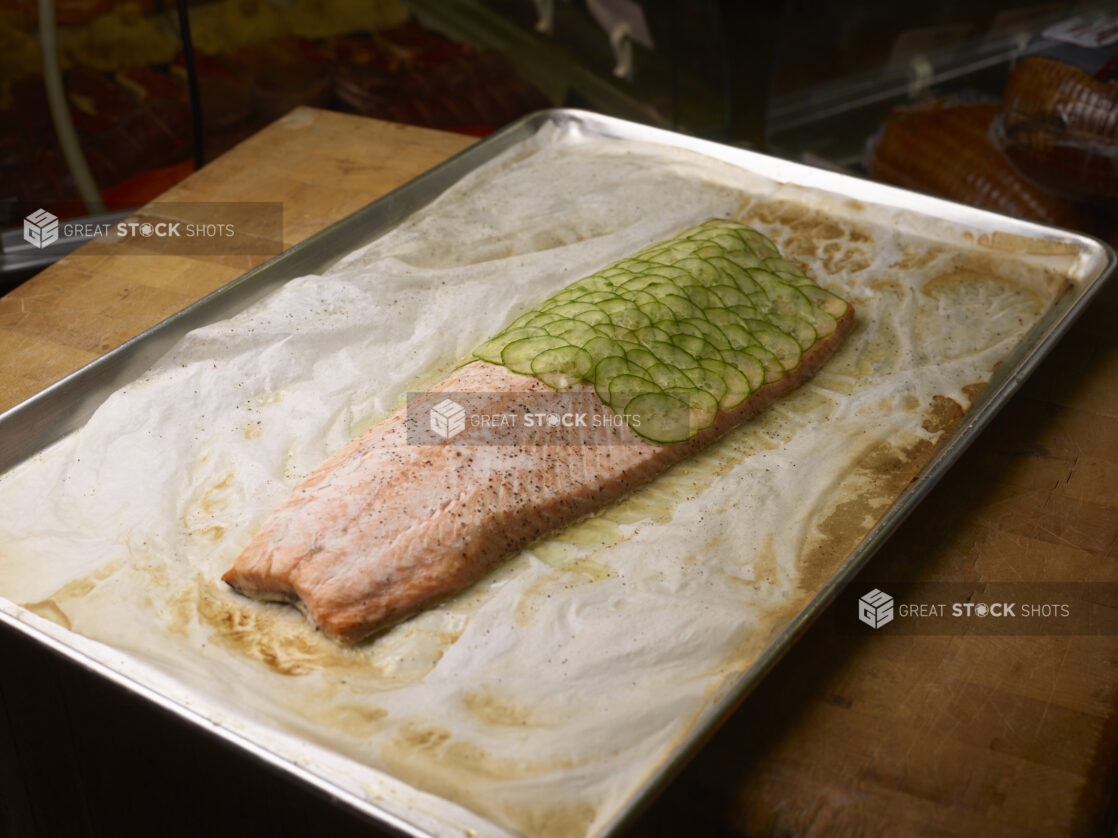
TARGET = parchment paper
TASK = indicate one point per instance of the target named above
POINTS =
(538, 700)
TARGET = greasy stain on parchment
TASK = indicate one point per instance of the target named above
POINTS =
(808, 236)
(272, 634)
(878, 477)
(861, 497)
(53, 608)
(486, 704)
(201, 510)
(283, 639)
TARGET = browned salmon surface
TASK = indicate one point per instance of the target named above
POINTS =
(386, 527)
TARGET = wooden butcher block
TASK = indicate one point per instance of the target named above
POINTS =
(853, 733)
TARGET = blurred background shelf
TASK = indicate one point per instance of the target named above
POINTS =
(810, 80)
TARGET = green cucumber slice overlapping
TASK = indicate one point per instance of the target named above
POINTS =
(679, 331)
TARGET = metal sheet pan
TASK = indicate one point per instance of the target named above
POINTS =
(31, 426)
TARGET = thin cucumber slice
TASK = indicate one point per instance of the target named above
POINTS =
(564, 296)
(823, 322)
(659, 417)
(700, 269)
(522, 320)
(758, 243)
(703, 407)
(584, 286)
(693, 345)
(748, 285)
(615, 365)
(665, 271)
(700, 296)
(777, 264)
(737, 335)
(613, 273)
(729, 242)
(723, 317)
(593, 299)
(569, 308)
(637, 266)
(707, 380)
(672, 253)
(730, 295)
(642, 357)
(595, 282)
(738, 386)
(640, 282)
(786, 299)
(748, 312)
(491, 350)
(802, 331)
(625, 314)
(573, 331)
(750, 366)
(596, 317)
(638, 298)
(825, 300)
(668, 377)
(562, 366)
(661, 288)
(625, 387)
(698, 347)
(656, 310)
(627, 346)
(681, 306)
(650, 334)
(708, 250)
(754, 370)
(632, 319)
(550, 322)
(542, 321)
(601, 347)
(519, 355)
(687, 326)
(610, 330)
(747, 259)
(769, 362)
(672, 355)
(796, 280)
(710, 333)
(780, 343)
(609, 368)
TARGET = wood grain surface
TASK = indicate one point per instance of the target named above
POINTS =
(320, 165)
(850, 734)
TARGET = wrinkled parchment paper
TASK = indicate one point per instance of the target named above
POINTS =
(537, 701)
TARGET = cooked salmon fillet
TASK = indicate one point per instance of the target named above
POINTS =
(386, 527)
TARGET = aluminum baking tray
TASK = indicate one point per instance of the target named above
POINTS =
(48, 416)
